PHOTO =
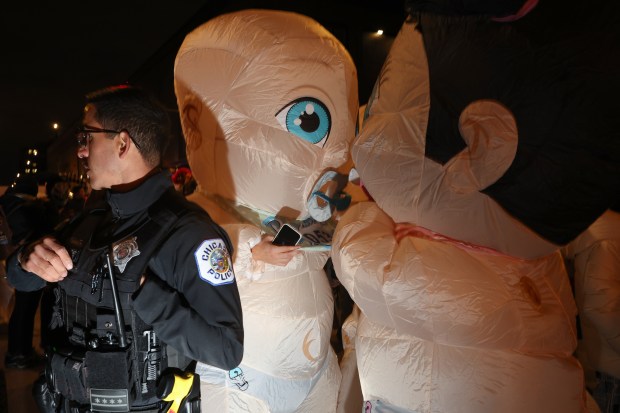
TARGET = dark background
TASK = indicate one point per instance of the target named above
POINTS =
(53, 54)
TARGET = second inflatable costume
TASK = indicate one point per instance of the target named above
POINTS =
(489, 143)
(268, 104)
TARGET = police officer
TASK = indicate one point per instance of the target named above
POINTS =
(144, 278)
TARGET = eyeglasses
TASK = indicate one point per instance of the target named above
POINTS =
(84, 135)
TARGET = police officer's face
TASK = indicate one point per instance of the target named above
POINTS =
(99, 154)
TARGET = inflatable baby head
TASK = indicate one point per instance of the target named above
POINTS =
(478, 132)
(268, 104)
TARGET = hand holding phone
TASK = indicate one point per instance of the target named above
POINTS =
(269, 253)
(287, 235)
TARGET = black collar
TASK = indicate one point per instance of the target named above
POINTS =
(126, 204)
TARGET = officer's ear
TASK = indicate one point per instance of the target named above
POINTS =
(124, 143)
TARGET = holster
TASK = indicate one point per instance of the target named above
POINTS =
(44, 396)
(179, 392)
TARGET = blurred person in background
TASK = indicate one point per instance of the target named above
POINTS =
(183, 181)
(75, 203)
(28, 219)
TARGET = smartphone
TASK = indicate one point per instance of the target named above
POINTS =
(287, 235)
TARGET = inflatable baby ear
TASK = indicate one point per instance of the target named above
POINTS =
(392, 152)
(490, 131)
(200, 129)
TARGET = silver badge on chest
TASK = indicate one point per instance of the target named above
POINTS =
(125, 251)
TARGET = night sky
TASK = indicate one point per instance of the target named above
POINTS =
(53, 54)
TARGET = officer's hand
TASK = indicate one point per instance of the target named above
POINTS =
(46, 258)
(273, 254)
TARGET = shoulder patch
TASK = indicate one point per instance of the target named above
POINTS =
(214, 263)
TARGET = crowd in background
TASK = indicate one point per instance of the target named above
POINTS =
(30, 217)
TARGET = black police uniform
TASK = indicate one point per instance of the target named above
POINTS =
(189, 300)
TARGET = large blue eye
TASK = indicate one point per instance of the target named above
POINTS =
(307, 118)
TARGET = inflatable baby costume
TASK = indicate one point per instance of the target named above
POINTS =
(268, 104)
(476, 153)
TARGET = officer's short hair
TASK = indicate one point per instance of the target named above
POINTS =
(130, 108)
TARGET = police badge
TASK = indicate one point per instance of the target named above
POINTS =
(125, 251)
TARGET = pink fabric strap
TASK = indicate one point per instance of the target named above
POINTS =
(525, 9)
(424, 233)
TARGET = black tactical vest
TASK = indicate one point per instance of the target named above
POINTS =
(92, 367)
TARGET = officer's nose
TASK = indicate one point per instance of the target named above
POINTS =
(82, 152)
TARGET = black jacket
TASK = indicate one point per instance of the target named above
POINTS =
(190, 295)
